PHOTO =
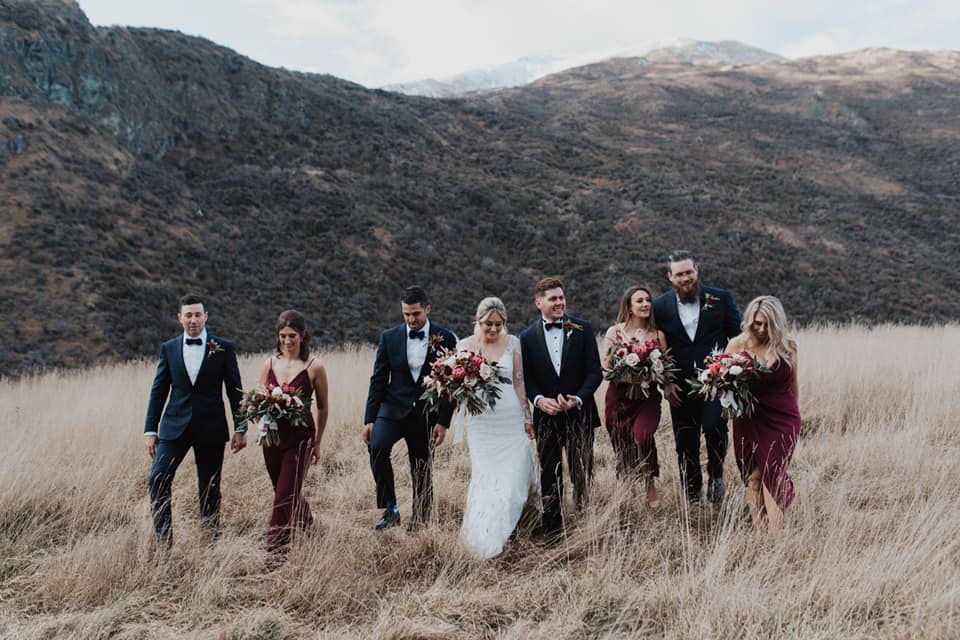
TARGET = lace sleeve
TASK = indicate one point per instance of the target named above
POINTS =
(518, 384)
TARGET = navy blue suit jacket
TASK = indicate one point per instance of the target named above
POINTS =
(198, 406)
(580, 370)
(393, 393)
(717, 324)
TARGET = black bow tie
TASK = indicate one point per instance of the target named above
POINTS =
(553, 325)
(417, 335)
(194, 341)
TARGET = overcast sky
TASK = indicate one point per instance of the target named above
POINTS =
(376, 42)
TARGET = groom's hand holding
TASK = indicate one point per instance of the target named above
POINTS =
(150, 443)
(238, 442)
(439, 433)
(672, 391)
(548, 405)
(568, 403)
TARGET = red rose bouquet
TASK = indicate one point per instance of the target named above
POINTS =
(641, 365)
(270, 404)
(465, 378)
(727, 376)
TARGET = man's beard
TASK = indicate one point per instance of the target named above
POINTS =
(691, 297)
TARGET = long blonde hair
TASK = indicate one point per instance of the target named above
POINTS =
(486, 308)
(781, 342)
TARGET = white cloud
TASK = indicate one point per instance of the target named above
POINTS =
(381, 41)
(822, 43)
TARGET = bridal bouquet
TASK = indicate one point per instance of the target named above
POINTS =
(270, 404)
(640, 365)
(727, 376)
(463, 377)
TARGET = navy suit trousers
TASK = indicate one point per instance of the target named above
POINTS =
(416, 432)
(170, 453)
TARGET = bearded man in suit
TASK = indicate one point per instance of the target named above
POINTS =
(697, 320)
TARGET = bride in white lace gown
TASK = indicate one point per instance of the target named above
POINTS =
(502, 457)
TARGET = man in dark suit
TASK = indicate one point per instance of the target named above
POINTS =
(696, 320)
(561, 368)
(394, 409)
(194, 368)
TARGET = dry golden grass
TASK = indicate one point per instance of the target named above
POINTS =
(870, 550)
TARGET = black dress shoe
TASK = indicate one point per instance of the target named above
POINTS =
(387, 520)
(546, 537)
(715, 490)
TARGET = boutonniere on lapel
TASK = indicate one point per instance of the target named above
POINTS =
(570, 327)
(436, 341)
(213, 347)
(708, 301)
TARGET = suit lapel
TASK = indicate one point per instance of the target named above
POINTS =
(700, 319)
(567, 342)
(176, 359)
(400, 351)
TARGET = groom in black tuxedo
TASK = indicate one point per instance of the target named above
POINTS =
(561, 366)
(696, 320)
(394, 409)
(194, 368)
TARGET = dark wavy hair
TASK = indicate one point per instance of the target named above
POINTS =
(296, 321)
(624, 313)
(415, 295)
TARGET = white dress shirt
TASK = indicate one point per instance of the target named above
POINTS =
(192, 360)
(554, 341)
(193, 355)
(417, 350)
(689, 313)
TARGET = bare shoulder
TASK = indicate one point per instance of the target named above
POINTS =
(737, 343)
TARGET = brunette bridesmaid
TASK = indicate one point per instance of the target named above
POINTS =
(632, 424)
(288, 461)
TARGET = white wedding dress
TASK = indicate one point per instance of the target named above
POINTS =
(502, 460)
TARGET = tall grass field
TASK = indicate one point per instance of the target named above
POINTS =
(870, 548)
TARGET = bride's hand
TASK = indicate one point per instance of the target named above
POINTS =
(528, 427)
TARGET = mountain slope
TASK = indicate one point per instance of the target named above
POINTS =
(137, 164)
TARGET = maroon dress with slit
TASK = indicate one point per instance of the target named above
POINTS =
(287, 464)
(767, 438)
(632, 425)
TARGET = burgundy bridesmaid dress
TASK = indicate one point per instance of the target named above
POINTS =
(287, 464)
(632, 425)
(766, 439)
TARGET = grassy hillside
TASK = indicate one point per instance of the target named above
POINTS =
(869, 551)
